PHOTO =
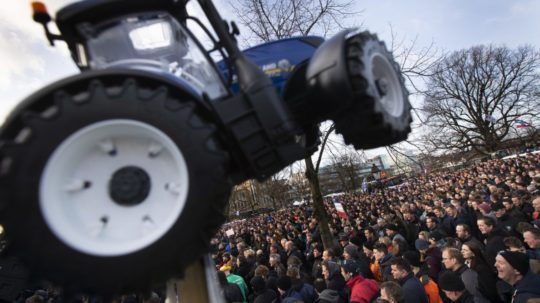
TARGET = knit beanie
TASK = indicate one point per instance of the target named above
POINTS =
(450, 281)
(284, 283)
(519, 261)
(352, 250)
(328, 296)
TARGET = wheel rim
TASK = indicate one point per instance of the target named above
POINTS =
(80, 187)
(387, 84)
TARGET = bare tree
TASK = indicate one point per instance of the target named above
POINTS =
(476, 95)
(277, 19)
(269, 20)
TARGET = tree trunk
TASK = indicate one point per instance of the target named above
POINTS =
(318, 204)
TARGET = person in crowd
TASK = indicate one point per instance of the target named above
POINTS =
(380, 251)
(531, 236)
(334, 280)
(454, 289)
(504, 221)
(413, 290)
(391, 292)
(276, 268)
(432, 256)
(513, 268)
(453, 261)
(261, 293)
(329, 255)
(421, 272)
(369, 234)
(362, 290)
(487, 279)
(464, 234)
(235, 279)
(300, 289)
(231, 291)
(493, 237)
(373, 264)
(316, 268)
(329, 296)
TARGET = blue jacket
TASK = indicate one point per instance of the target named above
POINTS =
(413, 290)
(527, 288)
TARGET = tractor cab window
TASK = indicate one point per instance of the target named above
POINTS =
(154, 41)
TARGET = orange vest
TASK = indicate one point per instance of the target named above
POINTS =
(374, 267)
(431, 289)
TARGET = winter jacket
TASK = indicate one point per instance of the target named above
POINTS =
(433, 259)
(384, 267)
(413, 290)
(302, 291)
(362, 290)
(487, 282)
(494, 244)
(527, 288)
(267, 296)
(470, 279)
(232, 278)
(466, 297)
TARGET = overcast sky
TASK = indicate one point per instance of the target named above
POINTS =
(28, 62)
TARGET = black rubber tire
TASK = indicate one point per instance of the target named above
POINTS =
(84, 102)
(367, 124)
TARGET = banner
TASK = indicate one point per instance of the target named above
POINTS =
(340, 210)
(521, 124)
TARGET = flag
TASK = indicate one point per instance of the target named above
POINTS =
(364, 185)
(340, 210)
(521, 124)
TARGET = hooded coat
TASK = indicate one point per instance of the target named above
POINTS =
(527, 288)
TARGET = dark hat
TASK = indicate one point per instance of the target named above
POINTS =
(392, 227)
(413, 257)
(328, 296)
(257, 284)
(421, 244)
(351, 267)
(485, 207)
(352, 250)
(435, 236)
(519, 261)
(368, 245)
(497, 206)
(284, 283)
(343, 237)
(450, 281)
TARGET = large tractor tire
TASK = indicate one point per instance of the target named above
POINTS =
(111, 184)
(382, 116)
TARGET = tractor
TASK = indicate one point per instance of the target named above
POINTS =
(115, 179)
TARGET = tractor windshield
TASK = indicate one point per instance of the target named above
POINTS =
(152, 41)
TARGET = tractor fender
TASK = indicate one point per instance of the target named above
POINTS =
(118, 74)
(327, 74)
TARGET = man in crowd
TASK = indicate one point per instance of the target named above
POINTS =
(463, 233)
(431, 255)
(391, 292)
(362, 290)
(531, 236)
(235, 279)
(413, 290)
(453, 261)
(493, 237)
(454, 289)
(513, 268)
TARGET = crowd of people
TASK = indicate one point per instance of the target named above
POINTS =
(470, 235)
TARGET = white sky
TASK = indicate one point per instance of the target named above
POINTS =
(28, 62)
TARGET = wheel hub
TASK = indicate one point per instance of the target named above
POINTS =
(114, 187)
(129, 186)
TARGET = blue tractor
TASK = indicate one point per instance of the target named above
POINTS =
(115, 179)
